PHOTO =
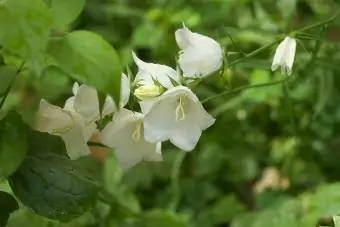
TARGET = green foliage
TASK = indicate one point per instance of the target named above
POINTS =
(13, 146)
(64, 12)
(8, 205)
(89, 59)
(271, 158)
(51, 184)
(25, 28)
(7, 75)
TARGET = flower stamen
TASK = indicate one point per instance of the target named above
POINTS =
(57, 131)
(136, 133)
(179, 111)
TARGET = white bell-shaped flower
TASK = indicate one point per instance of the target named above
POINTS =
(125, 134)
(69, 126)
(177, 115)
(76, 122)
(85, 100)
(150, 72)
(284, 56)
(199, 55)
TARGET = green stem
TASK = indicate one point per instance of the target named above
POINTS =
(242, 88)
(21, 67)
(253, 53)
(175, 181)
(121, 210)
(337, 13)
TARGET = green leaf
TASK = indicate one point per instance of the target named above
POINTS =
(323, 202)
(283, 215)
(53, 82)
(7, 75)
(50, 184)
(8, 204)
(64, 12)
(25, 28)
(13, 145)
(156, 218)
(89, 59)
(24, 217)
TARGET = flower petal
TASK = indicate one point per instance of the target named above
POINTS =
(52, 118)
(75, 144)
(161, 123)
(86, 102)
(124, 90)
(200, 55)
(75, 88)
(148, 72)
(183, 37)
(186, 137)
(118, 135)
(279, 54)
(290, 55)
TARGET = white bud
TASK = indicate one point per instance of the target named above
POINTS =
(284, 56)
(148, 91)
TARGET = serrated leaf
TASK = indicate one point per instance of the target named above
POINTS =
(25, 28)
(50, 184)
(64, 12)
(89, 59)
(8, 204)
(13, 145)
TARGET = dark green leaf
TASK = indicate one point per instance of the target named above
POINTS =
(7, 75)
(8, 204)
(25, 28)
(13, 144)
(50, 184)
(89, 59)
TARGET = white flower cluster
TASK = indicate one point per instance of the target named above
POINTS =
(169, 109)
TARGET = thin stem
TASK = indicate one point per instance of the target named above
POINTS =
(21, 67)
(253, 53)
(242, 88)
(337, 13)
(175, 181)
(108, 198)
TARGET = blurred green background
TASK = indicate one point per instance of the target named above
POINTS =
(271, 159)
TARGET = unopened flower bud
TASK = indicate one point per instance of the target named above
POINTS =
(148, 91)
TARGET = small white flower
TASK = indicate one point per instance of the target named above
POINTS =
(177, 115)
(200, 55)
(125, 134)
(284, 56)
(76, 122)
(85, 100)
(148, 72)
(70, 127)
(148, 91)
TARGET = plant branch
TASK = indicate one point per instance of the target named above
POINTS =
(176, 168)
(253, 53)
(318, 24)
(21, 67)
(237, 89)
